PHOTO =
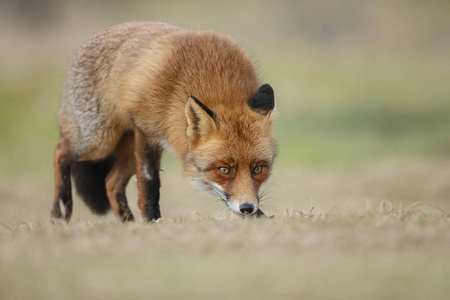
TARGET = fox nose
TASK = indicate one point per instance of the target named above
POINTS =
(246, 208)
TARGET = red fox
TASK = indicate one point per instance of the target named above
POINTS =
(135, 89)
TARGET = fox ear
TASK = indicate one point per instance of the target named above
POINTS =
(200, 119)
(263, 101)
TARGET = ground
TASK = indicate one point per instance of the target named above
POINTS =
(334, 234)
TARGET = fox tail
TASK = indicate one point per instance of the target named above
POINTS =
(89, 178)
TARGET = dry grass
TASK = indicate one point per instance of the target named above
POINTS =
(384, 253)
(382, 250)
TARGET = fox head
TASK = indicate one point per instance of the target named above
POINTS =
(232, 149)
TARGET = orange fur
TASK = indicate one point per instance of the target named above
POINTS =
(136, 78)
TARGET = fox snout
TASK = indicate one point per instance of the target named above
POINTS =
(243, 208)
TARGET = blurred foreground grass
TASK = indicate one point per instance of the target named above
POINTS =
(384, 253)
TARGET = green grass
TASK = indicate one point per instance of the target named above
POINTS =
(361, 134)
(329, 112)
(341, 110)
(28, 123)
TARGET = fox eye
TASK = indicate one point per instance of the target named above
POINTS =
(257, 170)
(224, 170)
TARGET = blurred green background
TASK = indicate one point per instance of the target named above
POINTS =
(358, 83)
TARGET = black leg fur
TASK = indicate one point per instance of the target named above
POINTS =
(151, 184)
(148, 161)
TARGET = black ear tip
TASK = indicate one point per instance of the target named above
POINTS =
(266, 88)
(263, 100)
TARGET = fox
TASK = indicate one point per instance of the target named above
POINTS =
(136, 89)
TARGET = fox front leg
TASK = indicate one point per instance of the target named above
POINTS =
(148, 161)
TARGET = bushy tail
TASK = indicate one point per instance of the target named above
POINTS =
(89, 178)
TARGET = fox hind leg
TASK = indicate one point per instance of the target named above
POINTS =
(62, 205)
(124, 167)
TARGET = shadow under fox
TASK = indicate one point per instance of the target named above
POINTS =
(135, 89)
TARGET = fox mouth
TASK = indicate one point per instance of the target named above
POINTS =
(242, 210)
